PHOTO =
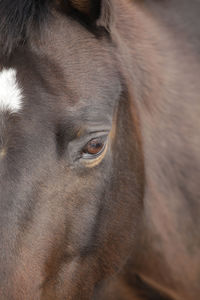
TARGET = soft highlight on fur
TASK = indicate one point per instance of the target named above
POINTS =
(10, 92)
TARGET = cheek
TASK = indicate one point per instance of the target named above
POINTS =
(82, 205)
(61, 230)
(28, 275)
(66, 210)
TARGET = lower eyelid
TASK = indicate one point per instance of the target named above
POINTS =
(90, 163)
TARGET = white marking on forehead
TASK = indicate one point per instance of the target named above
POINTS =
(10, 92)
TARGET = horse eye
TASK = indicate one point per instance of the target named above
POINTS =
(94, 147)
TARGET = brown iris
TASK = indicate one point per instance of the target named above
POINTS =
(94, 147)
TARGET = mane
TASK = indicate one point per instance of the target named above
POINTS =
(17, 20)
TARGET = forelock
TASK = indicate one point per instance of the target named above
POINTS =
(17, 19)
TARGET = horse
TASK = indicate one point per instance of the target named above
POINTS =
(99, 150)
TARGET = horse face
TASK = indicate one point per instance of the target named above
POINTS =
(60, 160)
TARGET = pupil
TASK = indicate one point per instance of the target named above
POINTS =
(94, 147)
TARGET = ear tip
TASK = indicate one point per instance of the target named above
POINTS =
(83, 6)
(106, 17)
(98, 11)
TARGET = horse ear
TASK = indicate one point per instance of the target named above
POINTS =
(84, 6)
(96, 11)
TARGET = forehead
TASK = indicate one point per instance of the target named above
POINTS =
(68, 68)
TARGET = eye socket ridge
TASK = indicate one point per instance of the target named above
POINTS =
(94, 148)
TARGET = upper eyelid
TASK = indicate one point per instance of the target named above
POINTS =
(84, 132)
(91, 135)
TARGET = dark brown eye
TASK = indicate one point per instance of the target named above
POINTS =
(94, 147)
